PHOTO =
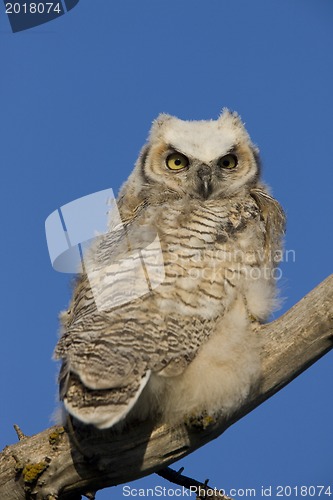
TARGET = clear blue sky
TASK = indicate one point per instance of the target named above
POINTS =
(77, 97)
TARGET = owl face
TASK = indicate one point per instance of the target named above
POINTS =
(201, 159)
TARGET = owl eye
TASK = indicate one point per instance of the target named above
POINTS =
(177, 161)
(228, 161)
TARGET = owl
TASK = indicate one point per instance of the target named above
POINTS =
(161, 322)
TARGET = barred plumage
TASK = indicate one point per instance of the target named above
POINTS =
(203, 232)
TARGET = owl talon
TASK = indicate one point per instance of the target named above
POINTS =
(199, 422)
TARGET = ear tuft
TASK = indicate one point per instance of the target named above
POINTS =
(158, 124)
(233, 120)
(227, 111)
(232, 116)
(162, 118)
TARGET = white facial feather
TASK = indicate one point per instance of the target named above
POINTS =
(205, 140)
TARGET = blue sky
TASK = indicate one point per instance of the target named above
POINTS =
(77, 97)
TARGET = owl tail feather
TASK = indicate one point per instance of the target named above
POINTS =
(101, 408)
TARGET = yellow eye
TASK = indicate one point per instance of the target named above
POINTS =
(176, 161)
(228, 161)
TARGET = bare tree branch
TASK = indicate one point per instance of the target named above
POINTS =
(19, 432)
(202, 490)
(48, 466)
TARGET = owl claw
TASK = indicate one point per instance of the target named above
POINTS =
(199, 422)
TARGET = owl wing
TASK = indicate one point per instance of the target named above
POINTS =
(274, 219)
(108, 357)
(107, 364)
(104, 370)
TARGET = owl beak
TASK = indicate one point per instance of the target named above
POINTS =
(205, 185)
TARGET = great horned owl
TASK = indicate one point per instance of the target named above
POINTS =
(187, 346)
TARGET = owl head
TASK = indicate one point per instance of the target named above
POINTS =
(206, 159)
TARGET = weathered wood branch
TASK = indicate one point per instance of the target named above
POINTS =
(49, 465)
